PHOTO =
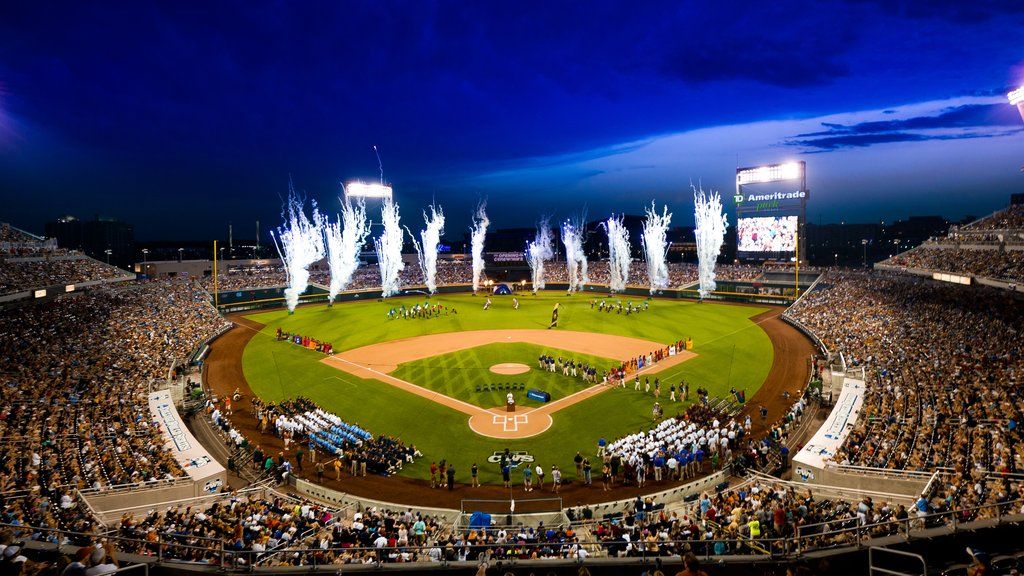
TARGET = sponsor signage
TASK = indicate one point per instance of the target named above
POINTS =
(538, 395)
(515, 456)
(196, 461)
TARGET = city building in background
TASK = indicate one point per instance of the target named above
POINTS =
(106, 239)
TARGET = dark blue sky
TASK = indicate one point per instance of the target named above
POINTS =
(180, 117)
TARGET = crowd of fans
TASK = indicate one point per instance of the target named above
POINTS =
(993, 263)
(987, 248)
(271, 530)
(943, 370)
(366, 277)
(680, 273)
(1012, 218)
(448, 272)
(31, 263)
(22, 274)
(74, 411)
(15, 242)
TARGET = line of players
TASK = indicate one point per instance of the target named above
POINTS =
(425, 310)
(629, 308)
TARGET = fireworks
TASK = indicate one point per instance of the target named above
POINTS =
(710, 231)
(478, 231)
(431, 236)
(537, 252)
(345, 238)
(389, 249)
(575, 259)
(655, 246)
(300, 243)
(618, 253)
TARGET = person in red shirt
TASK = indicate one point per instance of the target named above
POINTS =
(779, 519)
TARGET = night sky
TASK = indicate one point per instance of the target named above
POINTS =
(182, 116)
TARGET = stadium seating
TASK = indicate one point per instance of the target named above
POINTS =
(944, 377)
(73, 413)
(987, 248)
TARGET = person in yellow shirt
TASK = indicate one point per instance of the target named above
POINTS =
(755, 528)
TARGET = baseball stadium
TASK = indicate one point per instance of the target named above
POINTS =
(577, 359)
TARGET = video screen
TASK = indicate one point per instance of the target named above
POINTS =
(767, 234)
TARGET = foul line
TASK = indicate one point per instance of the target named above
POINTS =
(415, 389)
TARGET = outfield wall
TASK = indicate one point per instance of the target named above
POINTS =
(742, 292)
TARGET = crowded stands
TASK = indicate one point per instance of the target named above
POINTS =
(22, 274)
(987, 248)
(944, 372)
(74, 413)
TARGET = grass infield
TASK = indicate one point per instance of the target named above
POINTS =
(732, 351)
(460, 374)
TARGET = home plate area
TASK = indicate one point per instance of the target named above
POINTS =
(523, 423)
(511, 423)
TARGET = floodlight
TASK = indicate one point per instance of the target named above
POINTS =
(770, 173)
(364, 190)
(1017, 96)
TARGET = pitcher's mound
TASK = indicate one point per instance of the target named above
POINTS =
(510, 368)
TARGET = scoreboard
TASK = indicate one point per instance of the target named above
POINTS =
(771, 207)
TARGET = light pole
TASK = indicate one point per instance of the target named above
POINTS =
(180, 250)
(145, 254)
(108, 252)
(836, 263)
(864, 243)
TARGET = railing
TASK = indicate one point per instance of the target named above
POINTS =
(135, 487)
(190, 549)
(891, 473)
(859, 532)
(851, 533)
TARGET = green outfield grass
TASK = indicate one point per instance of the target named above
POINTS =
(732, 351)
(460, 374)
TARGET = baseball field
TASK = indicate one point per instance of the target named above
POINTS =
(441, 382)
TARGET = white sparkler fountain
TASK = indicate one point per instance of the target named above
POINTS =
(575, 259)
(711, 223)
(345, 239)
(618, 253)
(300, 243)
(431, 236)
(478, 231)
(389, 249)
(655, 246)
(537, 252)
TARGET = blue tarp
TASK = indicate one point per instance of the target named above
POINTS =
(479, 520)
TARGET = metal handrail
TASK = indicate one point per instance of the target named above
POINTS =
(909, 524)
(137, 486)
(221, 553)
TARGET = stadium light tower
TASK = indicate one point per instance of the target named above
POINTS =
(1016, 98)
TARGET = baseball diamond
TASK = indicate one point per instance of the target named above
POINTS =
(418, 378)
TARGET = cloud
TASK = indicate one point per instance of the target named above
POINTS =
(960, 122)
(965, 116)
(961, 145)
(864, 140)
